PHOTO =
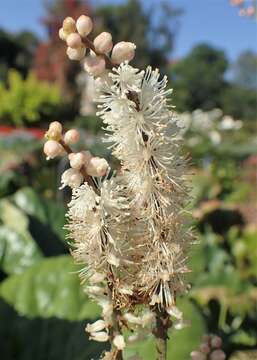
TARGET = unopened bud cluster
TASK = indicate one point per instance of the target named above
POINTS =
(81, 163)
(95, 63)
(209, 349)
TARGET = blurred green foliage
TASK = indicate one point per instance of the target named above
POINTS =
(154, 26)
(199, 82)
(26, 101)
(17, 52)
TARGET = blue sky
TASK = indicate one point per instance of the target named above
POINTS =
(212, 21)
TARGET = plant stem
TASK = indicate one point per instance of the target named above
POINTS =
(108, 62)
(163, 323)
(115, 329)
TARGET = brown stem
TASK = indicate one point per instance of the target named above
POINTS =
(163, 323)
(115, 329)
(88, 43)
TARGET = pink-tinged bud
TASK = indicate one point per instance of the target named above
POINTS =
(218, 355)
(77, 53)
(97, 166)
(204, 347)
(52, 149)
(123, 51)
(197, 355)
(63, 35)
(72, 178)
(84, 25)
(250, 11)
(74, 41)
(55, 126)
(216, 342)
(77, 160)
(69, 25)
(94, 65)
(103, 43)
(71, 137)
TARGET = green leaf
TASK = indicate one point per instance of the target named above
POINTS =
(18, 251)
(49, 288)
(181, 342)
(52, 339)
(44, 211)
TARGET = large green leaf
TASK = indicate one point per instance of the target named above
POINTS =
(18, 251)
(49, 288)
(45, 211)
(181, 342)
(52, 339)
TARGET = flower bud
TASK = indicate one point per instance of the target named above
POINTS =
(76, 54)
(74, 41)
(250, 11)
(71, 137)
(52, 149)
(84, 25)
(54, 132)
(197, 355)
(96, 326)
(69, 25)
(94, 65)
(119, 342)
(56, 126)
(123, 51)
(100, 336)
(97, 166)
(103, 43)
(216, 342)
(218, 355)
(204, 347)
(62, 34)
(72, 178)
(76, 160)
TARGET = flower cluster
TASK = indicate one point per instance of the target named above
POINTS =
(75, 33)
(210, 349)
(81, 163)
(130, 231)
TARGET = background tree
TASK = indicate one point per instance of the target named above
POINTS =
(153, 30)
(17, 52)
(245, 70)
(199, 78)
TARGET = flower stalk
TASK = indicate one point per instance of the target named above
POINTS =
(129, 230)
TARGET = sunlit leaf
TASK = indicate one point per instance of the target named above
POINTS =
(49, 288)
